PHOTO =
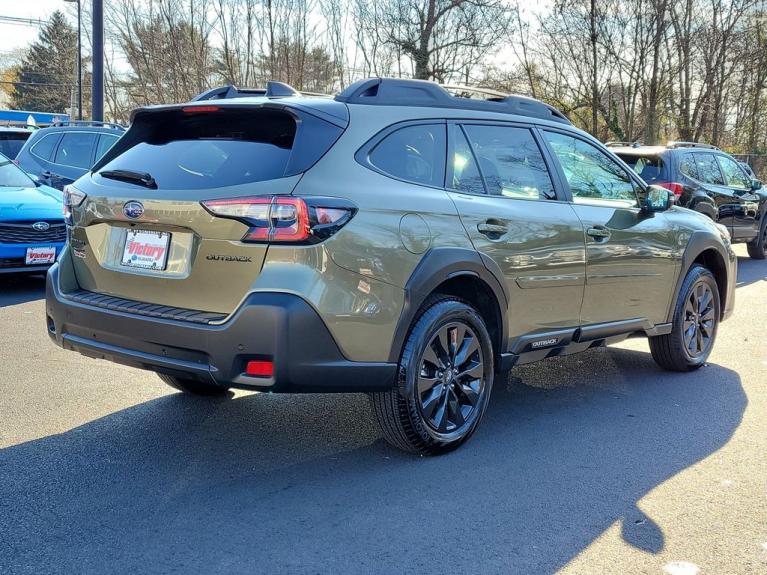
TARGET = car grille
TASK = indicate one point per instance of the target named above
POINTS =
(11, 263)
(146, 309)
(25, 233)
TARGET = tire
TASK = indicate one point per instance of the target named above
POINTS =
(695, 323)
(193, 386)
(757, 248)
(455, 380)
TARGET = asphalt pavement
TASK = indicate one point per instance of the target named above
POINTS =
(591, 464)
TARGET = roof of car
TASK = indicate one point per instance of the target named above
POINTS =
(15, 129)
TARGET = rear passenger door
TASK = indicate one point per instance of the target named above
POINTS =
(73, 157)
(630, 255)
(501, 185)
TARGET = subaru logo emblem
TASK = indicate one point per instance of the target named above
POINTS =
(41, 226)
(133, 209)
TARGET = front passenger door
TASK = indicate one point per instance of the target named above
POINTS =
(631, 257)
(745, 205)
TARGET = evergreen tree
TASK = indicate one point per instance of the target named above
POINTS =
(47, 73)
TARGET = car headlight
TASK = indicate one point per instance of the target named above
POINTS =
(724, 232)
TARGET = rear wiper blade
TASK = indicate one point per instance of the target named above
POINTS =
(140, 178)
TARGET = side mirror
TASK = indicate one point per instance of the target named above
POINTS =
(756, 184)
(658, 199)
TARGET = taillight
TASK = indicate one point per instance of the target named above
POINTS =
(71, 199)
(673, 187)
(285, 218)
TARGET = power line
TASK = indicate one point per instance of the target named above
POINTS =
(23, 21)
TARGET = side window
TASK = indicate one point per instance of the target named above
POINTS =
(75, 150)
(463, 174)
(687, 166)
(592, 174)
(106, 141)
(511, 162)
(413, 153)
(45, 147)
(734, 176)
(708, 169)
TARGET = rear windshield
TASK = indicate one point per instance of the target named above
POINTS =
(11, 143)
(649, 168)
(223, 147)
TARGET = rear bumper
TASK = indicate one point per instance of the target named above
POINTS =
(273, 326)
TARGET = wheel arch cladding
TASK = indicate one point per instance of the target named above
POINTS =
(459, 272)
(705, 250)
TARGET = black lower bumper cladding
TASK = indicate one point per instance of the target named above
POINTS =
(279, 327)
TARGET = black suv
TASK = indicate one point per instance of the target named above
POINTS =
(705, 179)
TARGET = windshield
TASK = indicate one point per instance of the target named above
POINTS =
(12, 176)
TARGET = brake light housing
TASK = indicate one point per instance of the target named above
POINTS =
(285, 219)
(675, 188)
(71, 198)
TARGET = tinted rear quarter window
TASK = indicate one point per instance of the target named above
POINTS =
(45, 146)
(413, 153)
(106, 141)
(649, 168)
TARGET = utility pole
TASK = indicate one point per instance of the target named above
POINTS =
(97, 91)
(79, 60)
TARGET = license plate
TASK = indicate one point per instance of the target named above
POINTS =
(40, 256)
(146, 249)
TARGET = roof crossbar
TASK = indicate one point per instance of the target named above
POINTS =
(680, 144)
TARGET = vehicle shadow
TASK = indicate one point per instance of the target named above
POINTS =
(16, 289)
(751, 271)
(304, 484)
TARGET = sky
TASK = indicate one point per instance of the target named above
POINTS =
(13, 36)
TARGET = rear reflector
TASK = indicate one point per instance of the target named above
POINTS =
(259, 368)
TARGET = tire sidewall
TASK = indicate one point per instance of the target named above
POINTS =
(697, 276)
(437, 316)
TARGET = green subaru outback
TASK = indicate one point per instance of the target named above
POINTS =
(395, 240)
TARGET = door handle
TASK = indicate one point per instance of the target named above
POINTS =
(46, 174)
(598, 233)
(491, 229)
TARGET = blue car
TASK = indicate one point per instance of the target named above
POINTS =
(32, 229)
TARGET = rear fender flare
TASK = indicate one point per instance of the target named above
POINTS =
(438, 266)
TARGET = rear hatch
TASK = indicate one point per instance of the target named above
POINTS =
(141, 232)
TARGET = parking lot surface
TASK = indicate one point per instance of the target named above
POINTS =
(595, 463)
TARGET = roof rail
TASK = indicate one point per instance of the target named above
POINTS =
(619, 144)
(675, 144)
(272, 90)
(404, 92)
(86, 123)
